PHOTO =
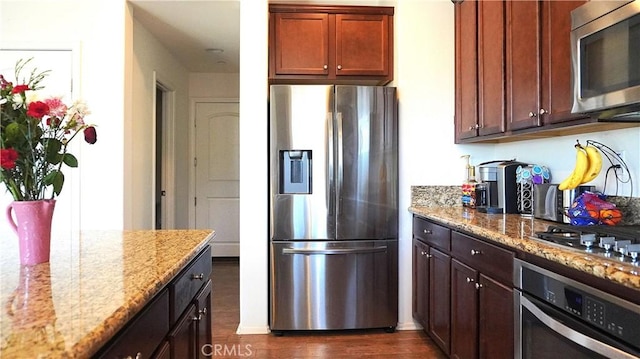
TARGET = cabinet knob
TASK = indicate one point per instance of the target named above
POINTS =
(203, 311)
(478, 285)
(474, 127)
(429, 255)
(542, 111)
(197, 319)
(197, 276)
(475, 252)
(325, 67)
(470, 280)
(532, 114)
(423, 253)
(427, 231)
(339, 67)
(138, 356)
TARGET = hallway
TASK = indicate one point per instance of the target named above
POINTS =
(350, 344)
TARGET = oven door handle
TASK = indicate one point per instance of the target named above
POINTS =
(576, 337)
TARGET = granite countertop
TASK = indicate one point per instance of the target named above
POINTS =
(514, 231)
(94, 283)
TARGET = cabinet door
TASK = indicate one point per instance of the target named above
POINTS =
(464, 311)
(466, 111)
(496, 323)
(203, 303)
(523, 63)
(420, 283)
(362, 45)
(556, 89)
(182, 338)
(491, 74)
(439, 298)
(300, 44)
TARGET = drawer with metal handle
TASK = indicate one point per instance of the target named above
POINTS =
(188, 283)
(432, 234)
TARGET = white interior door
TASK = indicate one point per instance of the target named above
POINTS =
(217, 187)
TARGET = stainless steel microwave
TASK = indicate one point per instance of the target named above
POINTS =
(605, 55)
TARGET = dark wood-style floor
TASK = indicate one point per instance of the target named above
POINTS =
(350, 344)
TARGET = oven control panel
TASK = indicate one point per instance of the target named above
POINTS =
(615, 316)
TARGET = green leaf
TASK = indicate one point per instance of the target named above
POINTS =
(55, 178)
(70, 160)
(53, 146)
(12, 132)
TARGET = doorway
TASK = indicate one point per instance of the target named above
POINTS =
(163, 158)
(217, 173)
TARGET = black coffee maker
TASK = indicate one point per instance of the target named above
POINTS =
(496, 190)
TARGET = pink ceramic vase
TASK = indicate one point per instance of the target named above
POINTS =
(33, 228)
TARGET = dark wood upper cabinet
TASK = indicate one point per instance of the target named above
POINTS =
(362, 45)
(539, 63)
(466, 77)
(305, 48)
(556, 91)
(491, 73)
(513, 72)
(523, 63)
(330, 44)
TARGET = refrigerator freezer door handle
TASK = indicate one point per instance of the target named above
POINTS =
(334, 251)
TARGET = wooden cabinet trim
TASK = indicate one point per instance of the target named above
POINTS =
(332, 9)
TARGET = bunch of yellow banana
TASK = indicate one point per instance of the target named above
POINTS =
(587, 167)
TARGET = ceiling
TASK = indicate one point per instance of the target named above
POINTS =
(188, 28)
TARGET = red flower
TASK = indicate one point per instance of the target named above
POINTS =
(53, 121)
(90, 135)
(20, 89)
(4, 83)
(8, 158)
(38, 109)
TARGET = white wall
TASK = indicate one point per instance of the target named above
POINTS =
(214, 85)
(253, 167)
(152, 62)
(73, 23)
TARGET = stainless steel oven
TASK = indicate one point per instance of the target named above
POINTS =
(560, 317)
(605, 54)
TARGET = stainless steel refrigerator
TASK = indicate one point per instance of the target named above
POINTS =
(333, 163)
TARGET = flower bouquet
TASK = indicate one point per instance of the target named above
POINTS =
(34, 138)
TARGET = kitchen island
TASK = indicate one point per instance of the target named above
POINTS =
(94, 284)
(515, 231)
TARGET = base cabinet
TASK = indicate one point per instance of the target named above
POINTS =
(495, 319)
(431, 278)
(439, 308)
(175, 324)
(463, 292)
(464, 311)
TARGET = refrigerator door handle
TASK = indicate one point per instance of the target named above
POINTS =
(339, 149)
(333, 251)
(330, 168)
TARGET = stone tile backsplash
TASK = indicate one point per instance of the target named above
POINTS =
(450, 196)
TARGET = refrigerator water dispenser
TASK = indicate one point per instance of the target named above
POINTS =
(295, 172)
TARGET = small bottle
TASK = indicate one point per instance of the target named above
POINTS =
(471, 187)
(468, 184)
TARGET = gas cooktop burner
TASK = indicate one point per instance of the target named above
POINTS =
(616, 242)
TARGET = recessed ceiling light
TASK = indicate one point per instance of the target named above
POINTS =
(214, 50)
